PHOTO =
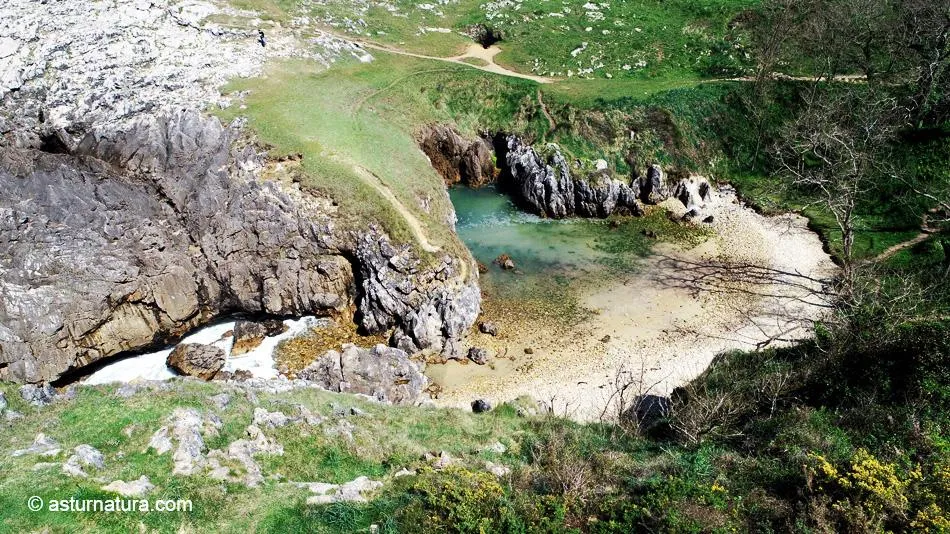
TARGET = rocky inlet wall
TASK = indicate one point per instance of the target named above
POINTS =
(543, 182)
(156, 225)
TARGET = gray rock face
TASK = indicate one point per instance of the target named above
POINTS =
(385, 373)
(147, 222)
(431, 309)
(545, 185)
(456, 158)
(38, 395)
(164, 229)
(652, 186)
(194, 359)
(694, 192)
(248, 335)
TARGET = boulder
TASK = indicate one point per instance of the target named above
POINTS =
(652, 186)
(86, 456)
(42, 445)
(478, 355)
(194, 359)
(248, 335)
(134, 489)
(481, 406)
(505, 262)
(353, 491)
(488, 327)
(38, 395)
(3, 402)
(385, 373)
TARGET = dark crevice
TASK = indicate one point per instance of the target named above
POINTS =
(52, 143)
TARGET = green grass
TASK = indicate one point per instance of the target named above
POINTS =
(385, 440)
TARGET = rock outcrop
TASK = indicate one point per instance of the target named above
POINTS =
(430, 308)
(544, 184)
(457, 159)
(194, 359)
(248, 335)
(147, 230)
(385, 373)
(129, 217)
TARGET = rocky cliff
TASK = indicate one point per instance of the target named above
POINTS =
(545, 185)
(153, 227)
(130, 216)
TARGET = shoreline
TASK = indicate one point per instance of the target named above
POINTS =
(756, 282)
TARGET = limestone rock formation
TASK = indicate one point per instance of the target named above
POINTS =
(149, 229)
(652, 187)
(430, 308)
(545, 185)
(248, 335)
(194, 359)
(130, 218)
(456, 158)
(385, 373)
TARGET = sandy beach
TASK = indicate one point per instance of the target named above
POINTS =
(757, 282)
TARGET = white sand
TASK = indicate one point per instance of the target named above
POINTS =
(756, 282)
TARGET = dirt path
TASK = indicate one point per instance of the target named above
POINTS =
(544, 109)
(890, 251)
(474, 51)
(417, 228)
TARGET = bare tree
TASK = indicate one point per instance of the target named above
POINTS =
(837, 148)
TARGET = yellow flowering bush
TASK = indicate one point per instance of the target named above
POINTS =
(882, 492)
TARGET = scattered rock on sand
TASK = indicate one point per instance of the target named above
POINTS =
(248, 335)
(37, 395)
(505, 262)
(194, 359)
(136, 488)
(605, 339)
(488, 327)
(481, 406)
(478, 355)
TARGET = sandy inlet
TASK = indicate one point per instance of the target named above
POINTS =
(758, 281)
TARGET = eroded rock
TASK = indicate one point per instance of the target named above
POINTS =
(385, 373)
(194, 359)
(543, 182)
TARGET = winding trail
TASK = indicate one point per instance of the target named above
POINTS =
(552, 125)
(474, 51)
(890, 251)
(414, 224)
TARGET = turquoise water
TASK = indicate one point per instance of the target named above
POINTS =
(490, 224)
